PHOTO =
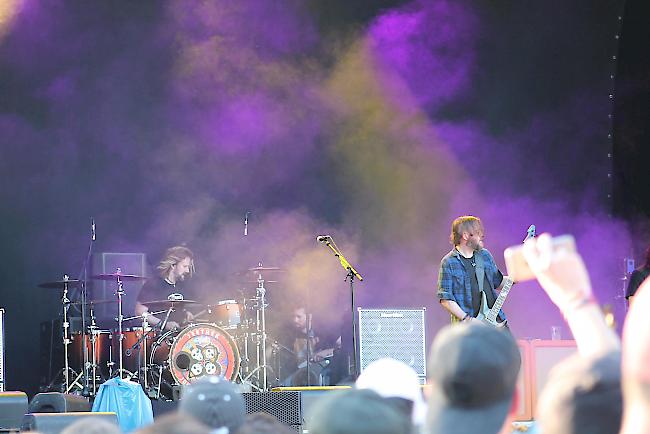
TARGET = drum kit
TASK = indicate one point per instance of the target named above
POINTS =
(227, 338)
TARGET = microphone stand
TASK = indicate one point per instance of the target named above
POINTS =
(84, 299)
(310, 333)
(351, 275)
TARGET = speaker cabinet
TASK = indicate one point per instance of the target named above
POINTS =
(524, 410)
(54, 402)
(290, 405)
(109, 262)
(395, 333)
(285, 406)
(2, 350)
(545, 354)
(54, 423)
(13, 406)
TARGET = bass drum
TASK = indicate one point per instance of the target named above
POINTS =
(184, 356)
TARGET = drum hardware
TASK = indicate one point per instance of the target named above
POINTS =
(90, 363)
(119, 279)
(65, 285)
(261, 371)
(117, 275)
(276, 347)
(66, 339)
(140, 345)
(167, 304)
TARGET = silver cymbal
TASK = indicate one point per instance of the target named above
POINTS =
(115, 276)
(58, 284)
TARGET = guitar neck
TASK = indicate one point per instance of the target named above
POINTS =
(498, 303)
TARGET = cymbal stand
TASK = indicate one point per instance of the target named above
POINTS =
(66, 335)
(145, 331)
(142, 340)
(120, 320)
(89, 364)
(261, 371)
(93, 350)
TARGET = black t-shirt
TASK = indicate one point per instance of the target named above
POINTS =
(470, 266)
(636, 279)
(159, 289)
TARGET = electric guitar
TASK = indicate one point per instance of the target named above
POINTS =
(489, 315)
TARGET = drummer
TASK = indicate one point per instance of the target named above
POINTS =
(174, 267)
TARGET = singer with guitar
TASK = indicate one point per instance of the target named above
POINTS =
(469, 277)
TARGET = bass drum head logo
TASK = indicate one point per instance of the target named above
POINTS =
(203, 349)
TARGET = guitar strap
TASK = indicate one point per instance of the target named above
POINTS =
(480, 271)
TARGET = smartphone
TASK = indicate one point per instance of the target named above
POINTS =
(518, 269)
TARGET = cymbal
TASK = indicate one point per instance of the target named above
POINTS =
(78, 303)
(255, 281)
(114, 276)
(57, 284)
(261, 268)
(258, 270)
(166, 304)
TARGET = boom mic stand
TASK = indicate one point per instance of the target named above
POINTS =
(351, 275)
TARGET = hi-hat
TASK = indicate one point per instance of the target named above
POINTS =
(166, 304)
(116, 276)
(58, 284)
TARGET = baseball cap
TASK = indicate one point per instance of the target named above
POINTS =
(392, 378)
(356, 411)
(473, 370)
(215, 402)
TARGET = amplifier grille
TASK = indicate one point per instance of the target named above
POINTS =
(285, 406)
(394, 333)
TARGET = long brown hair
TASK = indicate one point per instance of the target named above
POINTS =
(173, 256)
(462, 224)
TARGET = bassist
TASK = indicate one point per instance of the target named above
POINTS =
(459, 289)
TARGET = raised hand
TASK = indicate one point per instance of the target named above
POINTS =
(560, 271)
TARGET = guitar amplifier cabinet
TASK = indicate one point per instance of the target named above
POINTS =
(545, 354)
(2, 350)
(395, 333)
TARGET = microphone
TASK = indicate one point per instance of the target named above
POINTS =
(323, 238)
(246, 223)
(92, 229)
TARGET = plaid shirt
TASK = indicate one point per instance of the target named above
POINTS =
(454, 281)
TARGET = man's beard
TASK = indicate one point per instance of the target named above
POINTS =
(477, 247)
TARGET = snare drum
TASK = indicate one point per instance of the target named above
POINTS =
(195, 351)
(227, 314)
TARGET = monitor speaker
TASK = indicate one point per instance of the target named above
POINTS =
(55, 402)
(13, 406)
(54, 423)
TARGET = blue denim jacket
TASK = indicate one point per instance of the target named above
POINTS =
(454, 282)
